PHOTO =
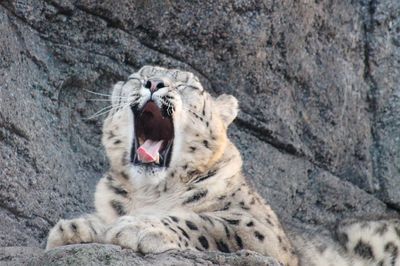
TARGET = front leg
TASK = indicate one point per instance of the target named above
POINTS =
(215, 231)
(86, 229)
(144, 234)
(181, 231)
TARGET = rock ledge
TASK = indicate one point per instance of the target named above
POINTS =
(99, 254)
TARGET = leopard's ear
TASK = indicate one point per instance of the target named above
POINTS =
(228, 107)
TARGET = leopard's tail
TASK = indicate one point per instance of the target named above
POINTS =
(355, 243)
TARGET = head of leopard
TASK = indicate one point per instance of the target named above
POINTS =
(163, 122)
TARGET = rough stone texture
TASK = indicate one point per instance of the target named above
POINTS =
(318, 82)
(96, 254)
(382, 74)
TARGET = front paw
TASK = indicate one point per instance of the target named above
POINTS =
(73, 231)
(142, 235)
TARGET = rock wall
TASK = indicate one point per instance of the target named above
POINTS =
(318, 84)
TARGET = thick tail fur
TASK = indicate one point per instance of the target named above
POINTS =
(355, 243)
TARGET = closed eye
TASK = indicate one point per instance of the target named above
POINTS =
(136, 78)
(186, 86)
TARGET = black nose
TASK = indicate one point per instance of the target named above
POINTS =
(154, 85)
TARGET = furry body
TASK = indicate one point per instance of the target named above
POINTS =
(201, 200)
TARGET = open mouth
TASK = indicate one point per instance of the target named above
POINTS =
(154, 136)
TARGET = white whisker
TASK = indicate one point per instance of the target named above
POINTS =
(100, 112)
(105, 110)
(105, 95)
(99, 100)
(169, 106)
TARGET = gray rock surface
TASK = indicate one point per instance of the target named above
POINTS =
(318, 84)
(97, 254)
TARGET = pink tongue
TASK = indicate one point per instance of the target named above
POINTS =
(148, 151)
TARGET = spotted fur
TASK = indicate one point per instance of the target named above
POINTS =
(201, 201)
